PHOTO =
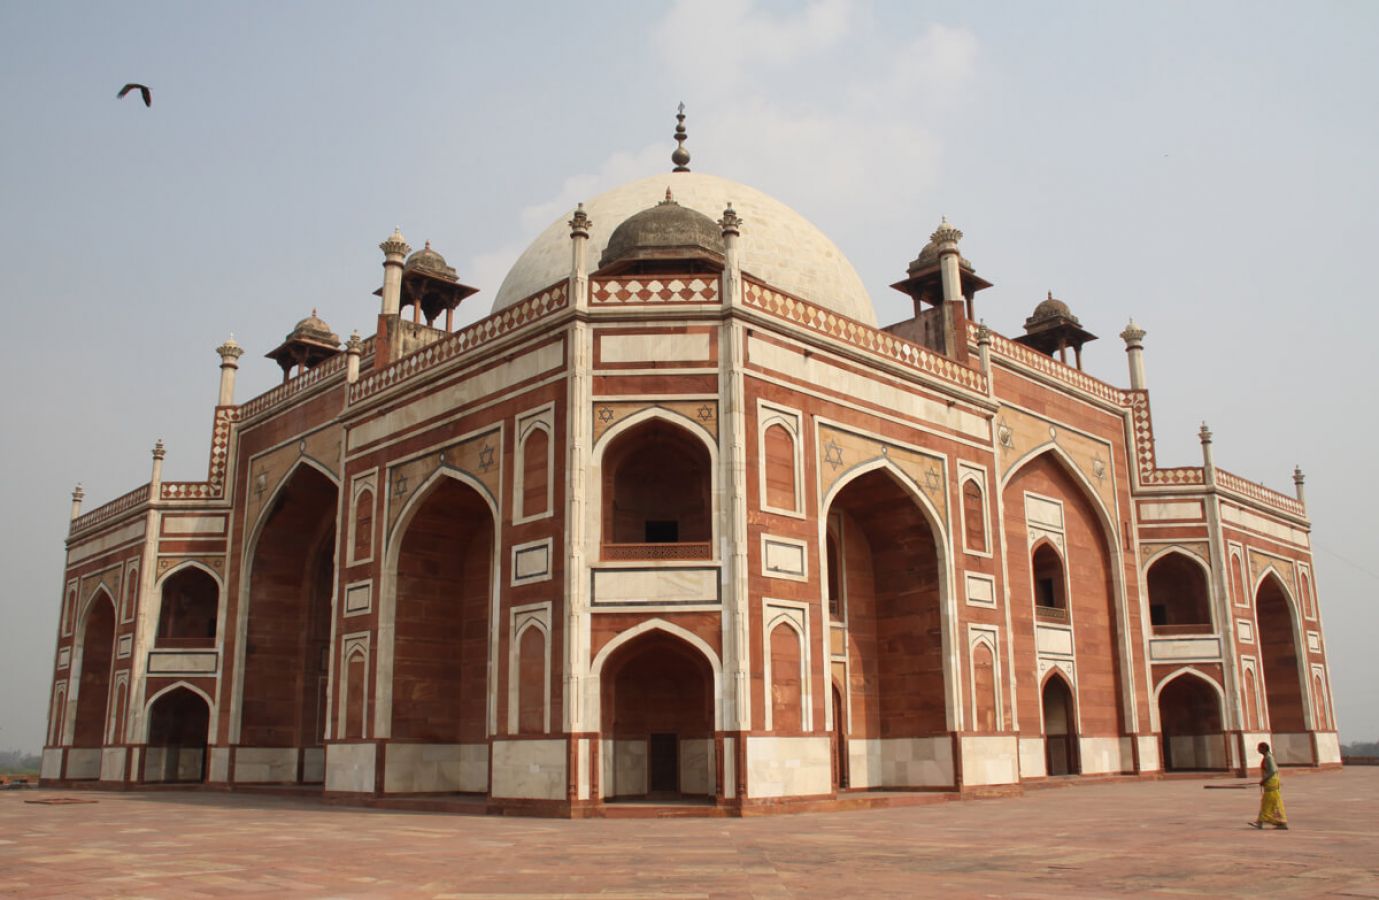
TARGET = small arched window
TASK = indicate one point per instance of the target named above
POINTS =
(536, 450)
(779, 445)
(187, 617)
(657, 494)
(984, 686)
(363, 524)
(1049, 590)
(1179, 598)
(973, 516)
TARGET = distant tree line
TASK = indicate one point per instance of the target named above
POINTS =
(17, 762)
(1360, 748)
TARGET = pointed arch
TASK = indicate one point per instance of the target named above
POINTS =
(250, 555)
(930, 515)
(1111, 537)
(1282, 657)
(1184, 606)
(176, 733)
(669, 628)
(185, 685)
(1192, 726)
(793, 680)
(93, 663)
(394, 540)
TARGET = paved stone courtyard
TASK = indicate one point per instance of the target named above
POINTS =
(1089, 839)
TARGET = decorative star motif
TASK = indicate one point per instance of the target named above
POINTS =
(605, 413)
(705, 413)
(932, 479)
(301, 448)
(399, 484)
(260, 485)
(833, 454)
(1099, 468)
(485, 457)
(1005, 435)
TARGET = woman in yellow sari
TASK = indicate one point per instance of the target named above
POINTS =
(1271, 800)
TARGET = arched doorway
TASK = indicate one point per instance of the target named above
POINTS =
(187, 614)
(441, 619)
(657, 720)
(97, 653)
(1190, 719)
(891, 575)
(1060, 728)
(178, 725)
(288, 631)
(1283, 685)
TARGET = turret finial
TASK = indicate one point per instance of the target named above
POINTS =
(681, 156)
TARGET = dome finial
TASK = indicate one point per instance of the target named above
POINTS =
(681, 156)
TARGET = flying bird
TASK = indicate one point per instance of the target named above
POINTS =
(143, 90)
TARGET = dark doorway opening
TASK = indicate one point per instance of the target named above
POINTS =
(1060, 728)
(664, 764)
(840, 742)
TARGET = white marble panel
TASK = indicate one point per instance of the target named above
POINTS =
(51, 767)
(981, 589)
(1289, 749)
(628, 768)
(1171, 649)
(359, 597)
(864, 763)
(697, 766)
(124, 646)
(1149, 754)
(1101, 755)
(1032, 758)
(1053, 640)
(1328, 747)
(1314, 641)
(917, 762)
(64, 657)
(219, 771)
(1245, 631)
(627, 348)
(729, 767)
(815, 370)
(84, 763)
(1048, 513)
(784, 557)
(193, 525)
(351, 767)
(1246, 519)
(1176, 509)
(426, 768)
(655, 586)
(266, 765)
(181, 662)
(990, 760)
(531, 561)
(530, 770)
(789, 766)
(582, 776)
(88, 549)
(113, 761)
(486, 380)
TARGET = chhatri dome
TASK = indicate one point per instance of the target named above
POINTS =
(778, 245)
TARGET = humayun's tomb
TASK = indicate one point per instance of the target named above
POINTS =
(679, 520)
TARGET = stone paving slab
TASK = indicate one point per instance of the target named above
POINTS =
(1165, 837)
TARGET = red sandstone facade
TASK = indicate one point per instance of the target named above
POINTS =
(667, 530)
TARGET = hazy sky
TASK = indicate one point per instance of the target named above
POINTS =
(1208, 168)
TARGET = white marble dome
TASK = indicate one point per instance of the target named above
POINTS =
(778, 245)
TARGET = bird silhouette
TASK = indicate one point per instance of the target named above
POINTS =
(143, 90)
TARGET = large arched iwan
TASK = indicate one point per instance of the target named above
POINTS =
(441, 620)
(892, 571)
(1283, 691)
(1089, 590)
(291, 575)
(97, 653)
